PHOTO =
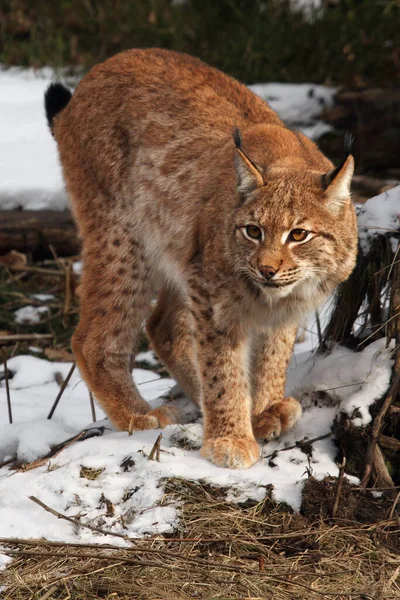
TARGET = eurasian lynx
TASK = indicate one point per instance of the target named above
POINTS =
(182, 181)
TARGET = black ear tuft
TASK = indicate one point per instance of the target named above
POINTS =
(56, 99)
(348, 145)
(237, 138)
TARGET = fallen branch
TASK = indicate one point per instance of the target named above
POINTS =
(34, 231)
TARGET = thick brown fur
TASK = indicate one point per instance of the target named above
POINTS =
(162, 195)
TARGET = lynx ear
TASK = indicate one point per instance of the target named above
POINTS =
(248, 176)
(336, 183)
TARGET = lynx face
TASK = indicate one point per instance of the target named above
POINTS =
(290, 234)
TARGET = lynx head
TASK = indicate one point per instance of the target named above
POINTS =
(294, 231)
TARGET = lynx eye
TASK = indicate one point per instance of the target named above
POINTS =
(298, 235)
(253, 232)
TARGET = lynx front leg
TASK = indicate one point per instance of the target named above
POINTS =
(272, 413)
(228, 439)
(114, 301)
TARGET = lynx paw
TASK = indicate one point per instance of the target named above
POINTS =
(165, 415)
(155, 419)
(277, 419)
(232, 453)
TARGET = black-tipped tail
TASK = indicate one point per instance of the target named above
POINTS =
(56, 99)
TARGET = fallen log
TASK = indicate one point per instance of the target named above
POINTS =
(372, 116)
(33, 232)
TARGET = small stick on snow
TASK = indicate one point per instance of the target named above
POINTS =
(75, 522)
(300, 444)
(155, 451)
(60, 393)
(7, 388)
(7, 462)
(54, 452)
(338, 488)
(92, 407)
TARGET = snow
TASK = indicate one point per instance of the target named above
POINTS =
(299, 105)
(30, 175)
(132, 482)
(30, 314)
(379, 215)
(43, 297)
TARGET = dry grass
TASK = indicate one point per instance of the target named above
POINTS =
(89, 473)
(222, 550)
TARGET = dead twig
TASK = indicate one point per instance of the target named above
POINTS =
(39, 270)
(393, 508)
(92, 407)
(7, 462)
(389, 442)
(49, 592)
(155, 451)
(21, 337)
(376, 428)
(381, 474)
(68, 292)
(304, 443)
(60, 393)
(338, 488)
(97, 556)
(57, 260)
(10, 420)
(55, 451)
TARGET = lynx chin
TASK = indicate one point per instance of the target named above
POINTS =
(186, 185)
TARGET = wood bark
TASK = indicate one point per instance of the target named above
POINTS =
(372, 116)
(33, 232)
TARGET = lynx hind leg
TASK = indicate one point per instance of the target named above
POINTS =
(115, 298)
(170, 329)
(277, 419)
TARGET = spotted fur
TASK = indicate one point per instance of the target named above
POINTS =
(162, 193)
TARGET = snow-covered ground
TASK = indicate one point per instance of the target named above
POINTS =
(378, 216)
(134, 486)
(30, 176)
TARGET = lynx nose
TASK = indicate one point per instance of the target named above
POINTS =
(267, 272)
